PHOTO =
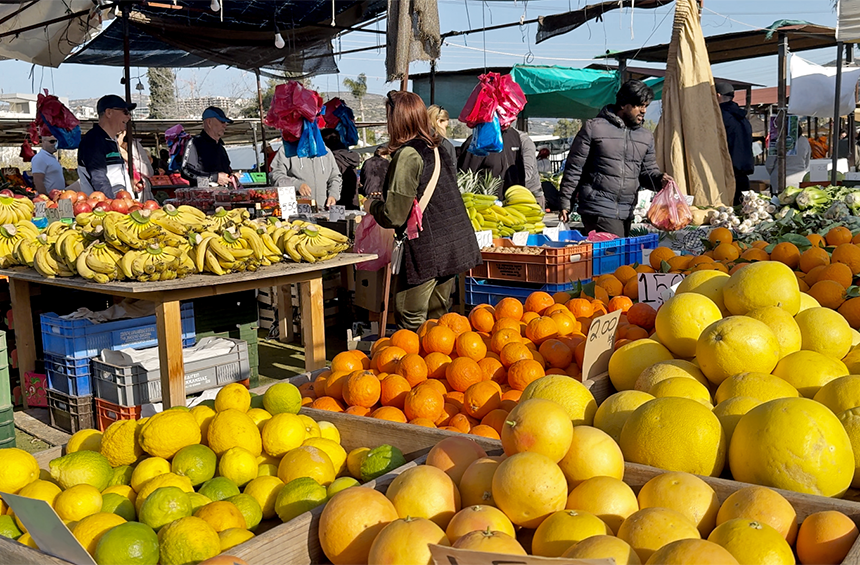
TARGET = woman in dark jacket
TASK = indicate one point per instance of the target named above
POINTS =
(446, 245)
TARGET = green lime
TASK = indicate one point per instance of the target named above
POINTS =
(250, 509)
(257, 401)
(131, 543)
(299, 496)
(197, 462)
(119, 505)
(219, 488)
(8, 528)
(163, 506)
(198, 501)
(121, 476)
(82, 468)
(282, 397)
(381, 460)
(340, 484)
(186, 408)
(210, 403)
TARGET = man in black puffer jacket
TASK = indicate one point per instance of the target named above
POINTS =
(611, 157)
(739, 137)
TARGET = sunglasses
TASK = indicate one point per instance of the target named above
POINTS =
(123, 110)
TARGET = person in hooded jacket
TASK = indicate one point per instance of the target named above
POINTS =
(347, 161)
(611, 157)
(739, 136)
(317, 178)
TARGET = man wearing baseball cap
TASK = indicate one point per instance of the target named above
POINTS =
(739, 136)
(205, 156)
(100, 164)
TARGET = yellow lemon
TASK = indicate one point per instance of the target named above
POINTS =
(312, 429)
(761, 386)
(233, 428)
(354, 460)
(120, 443)
(615, 410)
(684, 493)
(259, 416)
(90, 529)
(682, 319)
(565, 528)
(568, 393)
(782, 324)
(683, 388)
(851, 422)
(668, 370)
(736, 344)
(282, 398)
(77, 503)
(233, 396)
(629, 360)
(17, 469)
(730, 410)
(299, 496)
(335, 452)
(197, 462)
(233, 537)
(222, 515)
(306, 461)
(840, 394)
(122, 490)
(825, 331)
(753, 542)
(203, 414)
(159, 481)
(762, 284)
(239, 465)
(329, 431)
(147, 469)
(265, 490)
(188, 540)
(807, 302)
(267, 465)
(164, 506)
(90, 440)
(707, 283)
(164, 434)
(808, 371)
(282, 433)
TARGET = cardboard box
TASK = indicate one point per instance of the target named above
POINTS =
(368, 289)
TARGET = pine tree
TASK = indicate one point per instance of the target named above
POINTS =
(162, 93)
(358, 88)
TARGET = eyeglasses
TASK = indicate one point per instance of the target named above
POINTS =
(123, 110)
(52, 141)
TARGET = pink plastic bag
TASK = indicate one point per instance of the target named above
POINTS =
(511, 100)
(596, 236)
(291, 104)
(494, 94)
(669, 210)
(371, 238)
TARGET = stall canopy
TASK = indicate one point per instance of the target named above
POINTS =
(563, 92)
(848, 22)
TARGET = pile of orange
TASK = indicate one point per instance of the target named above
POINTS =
(466, 373)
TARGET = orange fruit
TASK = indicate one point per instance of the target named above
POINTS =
(720, 235)
(755, 254)
(631, 289)
(849, 254)
(456, 398)
(856, 239)
(514, 352)
(828, 293)
(482, 319)
(561, 297)
(495, 419)
(529, 316)
(642, 315)
(481, 398)
(448, 411)
(580, 307)
(622, 303)
(813, 257)
(555, 309)
(379, 344)
(538, 302)
(493, 370)
(350, 521)
(635, 332)
(471, 345)
(838, 236)
(462, 423)
(387, 359)
(437, 384)
(786, 253)
(680, 263)
(726, 252)
(440, 339)
(528, 487)
(556, 353)
(816, 240)
(463, 373)
(362, 388)
(406, 340)
(503, 337)
(658, 256)
(413, 368)
(423, 402)
(541, 329)
(349, 361)
(838, 272)
(812, 276)
(327, 403)
(624, 273)
(506, 324)
(423, 422)
(566, 323)
(320, 383)
(649, 269)
(522, 373)
(393, 391)
(825, 537)
(610, 284)
(307, 390)
(509, 308)
(850, 310)
(436, 364)
(457, 323)
(357, 410)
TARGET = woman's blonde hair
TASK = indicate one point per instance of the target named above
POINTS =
(437, 113)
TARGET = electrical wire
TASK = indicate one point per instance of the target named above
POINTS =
(449, 44)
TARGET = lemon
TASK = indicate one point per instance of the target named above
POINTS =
(762, 284)
(852, 361)
(562, 529)
(265, 491)
(131, 543)
(730, 410)
(117, 504)
(203, 414)
(684, 388)
(27, 540)
(378, 461)
(706, 283)
(197, 501)
(233, 537)
(615, 410)
(761, 386)
(163, 506)
(169, 431)
(197, 462)
(307, 461)
(120, 443)
(335, 452)
(219, 488)
(41, 490)
(250, 509)
(784, 327)
(667, 370)
(282, 398)
(267, 465)
(840, 394)
(222, 515)
(339, 484)
(825, 331)
(8, 529)
(568, 393)
(807, 302)
(17, 469)
(233, 396)
(797, 434)
(155, 483)
(283, 433)
(189, 540)
(299, 496)
(121, 475)
(851, 422)
(232, 428)
(82, 467)
(90, 440)
(629, 360)
(684, 493)
(312, 429)
(750, 541)
(147, 469)
(329, 431)
(736, 344)
(354, 460)
(90, 530)
(682, 319)
(259, 416)
(122, 490)
(78, 502)
(239, 465)
(808, 371)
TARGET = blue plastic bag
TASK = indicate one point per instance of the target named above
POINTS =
(66, 139)
(346, 126)
(310, 144)
(487, 138)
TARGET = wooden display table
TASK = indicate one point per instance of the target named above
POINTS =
(166, 296)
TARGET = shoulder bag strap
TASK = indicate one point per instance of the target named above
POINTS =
(431, 186)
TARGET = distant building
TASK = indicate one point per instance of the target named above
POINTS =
(193, 107)
(84, 112)
(22, 106)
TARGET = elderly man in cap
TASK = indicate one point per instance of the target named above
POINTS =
(100, 164)
(205, 156)
(47, 170)
(739, 136)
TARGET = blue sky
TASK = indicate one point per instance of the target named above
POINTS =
(620, 30)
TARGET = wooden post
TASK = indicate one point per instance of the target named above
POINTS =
(433, 81)
(127, 79)
(313, 323)
(24, 337)
(285, 314)
(781, 120)
(834, 135)
(168, 325)
(386, 295)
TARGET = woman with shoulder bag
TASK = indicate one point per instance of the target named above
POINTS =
(423, 206)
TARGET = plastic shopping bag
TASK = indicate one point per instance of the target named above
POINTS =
(481, 104)
(669, 210)
(511, 100)
(487, 138)
(291, 105)
(370, 237)
(310, 144)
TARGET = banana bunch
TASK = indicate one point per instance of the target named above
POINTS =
(10, 236)
(25, 250)
(312, 243)
(156, 262)
(99, 262)
(479, 202)
(88, 221)
(131, 231)
(230, 252)
(13, 210)
(180, 221)
(223, 219)
(48, 264)
(520, 202)
(70, 243)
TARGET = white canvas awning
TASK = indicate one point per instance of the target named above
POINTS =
(848, 21)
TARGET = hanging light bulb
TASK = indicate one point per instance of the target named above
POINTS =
(139, 86)
(279, 41)
(215, 5)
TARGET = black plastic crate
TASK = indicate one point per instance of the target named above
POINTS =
(70, 413)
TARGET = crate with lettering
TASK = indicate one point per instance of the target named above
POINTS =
(554, 263)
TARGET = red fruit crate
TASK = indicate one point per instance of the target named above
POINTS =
(558, 264)
(107, 413)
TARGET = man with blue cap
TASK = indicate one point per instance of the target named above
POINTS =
(101, 167)
(205, 156)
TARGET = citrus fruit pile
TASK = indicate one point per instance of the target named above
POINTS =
(184, 485)
(558, 492)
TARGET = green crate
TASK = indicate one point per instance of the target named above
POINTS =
(3, 343)
(7, 424)
(5, 386)
(245, 332)
(255, 378)
(215, 313)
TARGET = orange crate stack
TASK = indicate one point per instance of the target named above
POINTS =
(553, 265)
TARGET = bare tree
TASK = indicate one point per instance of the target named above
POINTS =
(358, 88)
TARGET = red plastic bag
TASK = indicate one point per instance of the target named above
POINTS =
(291, 104)
(54, 112)
(511, 100)
(482, 103)
(27, 152)
(669, 210)
(370, 237)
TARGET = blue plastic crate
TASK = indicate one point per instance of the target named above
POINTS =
(82, 338)
(565, 237)
(68, 375)
(479, 291)
(633, 247)
(607, 256)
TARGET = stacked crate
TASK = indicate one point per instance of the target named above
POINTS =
(232, 316)
(333, 287)
(7, 421)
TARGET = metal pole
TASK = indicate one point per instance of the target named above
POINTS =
(622, 70)
(781, 120)
(127, 78)
(852, 134)
(433, 81)
(262, 127)
(256, 149)
(834, 135)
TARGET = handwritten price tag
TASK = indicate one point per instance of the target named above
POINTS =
(306, 209)
(657, 288)
(66, 208)
(551, 233)
(337, 213)
(520, 238)
(287, 201)
(485, 238)
(599, 345)
(39, 211)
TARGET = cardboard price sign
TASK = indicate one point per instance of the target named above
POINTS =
(599, 345)
(336, 213)
(657, 288)
(40, 208)
(551, 233)
(520, 238)
(287, 201)
(485, 238)
(444, 555)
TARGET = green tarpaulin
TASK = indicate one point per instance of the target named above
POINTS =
(564, 92)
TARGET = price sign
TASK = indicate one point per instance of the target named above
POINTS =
(48, 531)
(689, 199)
(657, 288)
(551, 233)
(39, 211)
(306, 209)
(520, 238)
(66, 208)
(287, 201)
(336, 213)
(53, 215)
(599, 345)
(646, 256)
(485, 238)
